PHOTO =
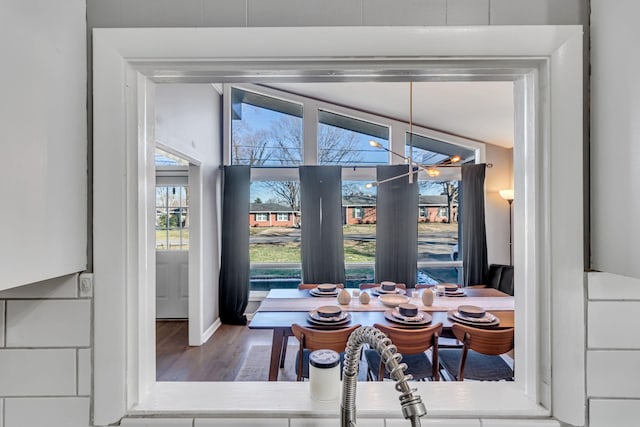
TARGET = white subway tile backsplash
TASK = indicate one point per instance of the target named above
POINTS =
(84, 372)
(404, 12)
(46, 372)
(613, 373)
(539, 12)
(242, 422)
(291, 13)
(607, 286)
(611, 412)
(224, 13)
(162, 13)
(604, 320)
(431, 422)
(48, 323)
(1, 412)
(47, 412)
(59, 287)
(153, 422)
(467, 12)
(519, 423)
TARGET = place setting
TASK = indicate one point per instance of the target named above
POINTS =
(450, 290)
(387, 288)
(325, 290)
(408, 315)
(328, 315)
(472, 315)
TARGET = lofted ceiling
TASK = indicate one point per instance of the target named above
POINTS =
(482, 111)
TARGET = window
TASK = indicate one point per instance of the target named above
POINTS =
(555, 56)
(359, 231)
(274, 247)
(357, 212)
(172, 218)
(265, 131)
(344, 140)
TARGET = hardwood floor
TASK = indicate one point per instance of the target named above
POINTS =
(219, 359)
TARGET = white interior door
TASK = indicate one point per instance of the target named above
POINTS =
(172, 239)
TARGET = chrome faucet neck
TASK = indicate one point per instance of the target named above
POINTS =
(412, 406)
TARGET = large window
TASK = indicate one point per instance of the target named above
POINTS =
(275, 132)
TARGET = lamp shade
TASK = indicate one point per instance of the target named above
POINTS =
(507, 194)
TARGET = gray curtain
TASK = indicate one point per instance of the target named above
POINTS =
(474, 233)
(396, 227)
(321, 209)
(234, 269)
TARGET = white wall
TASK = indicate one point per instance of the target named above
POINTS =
(615, 137)
(188, 118)
(499, 177)
(43, 178)
(40, 403)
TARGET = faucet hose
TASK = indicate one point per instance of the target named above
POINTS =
(412, 406)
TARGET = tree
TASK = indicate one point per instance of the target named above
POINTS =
(445, 188)
(250, 146)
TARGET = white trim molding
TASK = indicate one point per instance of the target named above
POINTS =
(545, 64)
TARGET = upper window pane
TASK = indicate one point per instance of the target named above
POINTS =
(429, 151)
(265, 131)
(344, 140)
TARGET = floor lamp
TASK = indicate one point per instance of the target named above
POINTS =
(508, 196)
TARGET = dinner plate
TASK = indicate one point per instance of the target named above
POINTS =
(455, 294)
(378, 291)
(390, 316)
(313, 314)
(316, 320)
(413, 319)
(488, 319)
(315, 293)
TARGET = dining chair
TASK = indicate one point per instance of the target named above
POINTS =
(313, 285)
(375, 285)
(412, 344)
(480, 356)
(317, 339)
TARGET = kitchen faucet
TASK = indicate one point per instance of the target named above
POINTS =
(412, 406)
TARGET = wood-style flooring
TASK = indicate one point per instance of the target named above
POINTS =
(219, 359)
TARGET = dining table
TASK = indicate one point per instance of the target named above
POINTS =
(283, 307)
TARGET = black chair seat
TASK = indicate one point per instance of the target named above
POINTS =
(479, 366)
(418, 365)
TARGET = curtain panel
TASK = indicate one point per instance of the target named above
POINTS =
(474, 234)
(234, 268)
(396, 227)
(321, 210)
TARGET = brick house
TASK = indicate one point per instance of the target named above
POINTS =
(361, 209)
(272, 215)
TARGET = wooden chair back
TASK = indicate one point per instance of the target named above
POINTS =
(375, 285)
(313, 285)
(413, 341)
(492, 342)
(318, 339)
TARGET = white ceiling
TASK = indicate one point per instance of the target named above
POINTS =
(482, 111)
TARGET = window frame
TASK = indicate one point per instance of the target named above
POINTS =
(545, 64)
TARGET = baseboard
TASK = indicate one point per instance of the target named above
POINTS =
(210, 330)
